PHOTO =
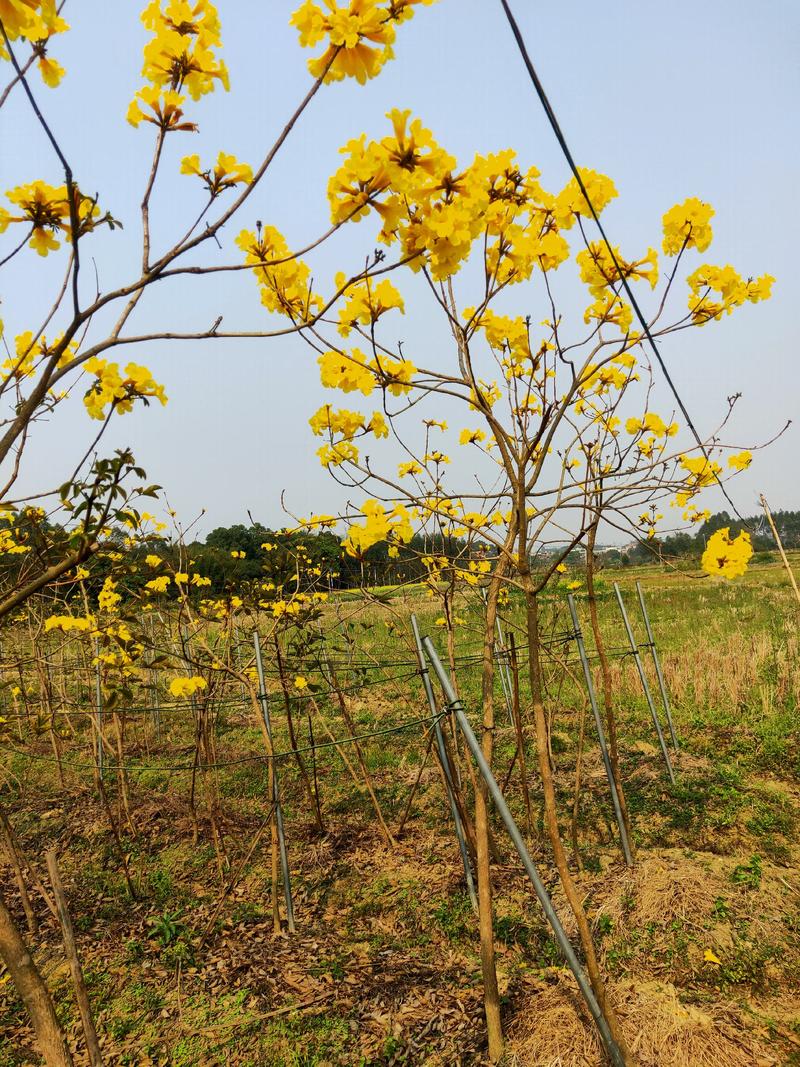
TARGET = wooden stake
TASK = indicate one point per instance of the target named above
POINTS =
(68, 938)
(19, 878)
(25, 863)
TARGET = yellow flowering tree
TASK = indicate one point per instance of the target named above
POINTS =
(71, 349)
(545, 408)
(182, 63)
(555, 419)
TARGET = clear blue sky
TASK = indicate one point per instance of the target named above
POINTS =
(671, 101)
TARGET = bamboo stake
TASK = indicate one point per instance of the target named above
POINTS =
(779, 543)
(444, 762)
(98, 697)
(517, 718)
(311, 790)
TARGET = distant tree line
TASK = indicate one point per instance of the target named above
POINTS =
(233, 556)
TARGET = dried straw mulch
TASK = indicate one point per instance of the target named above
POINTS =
(554, 1030)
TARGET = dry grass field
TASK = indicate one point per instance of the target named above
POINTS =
(700, 940)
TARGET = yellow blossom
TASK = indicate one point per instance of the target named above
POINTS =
(186, 687)
(471, 437)
(359, 33)
(226, 173)
(108, 598)
(741, 460)
(110, 387)
(726, 556)
(46, 209)
(688, 223)
(65, 623)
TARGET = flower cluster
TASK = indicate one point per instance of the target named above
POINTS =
(35, 21)
(29, 353)
(9, 546)
(599, 271)
(732, 290)
(507, 336)
(726, 556)
(179, 59)
(284, 280)
(46, 209)
(687, 225)
(341, 427)
(187, 687)
(366, 302)
(360, 35)
(110, 387)
(353, 372)
(740, 461)
(379, 525)
(436, 212)
(226, 173)
(699, 473)
(651, 427)
(67, 623)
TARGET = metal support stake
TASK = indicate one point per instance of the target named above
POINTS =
(440, 746)
(501, 658)
(657, 665)
(276, 797)
(98, 708)
(601, 737)
(152, 678)
(645, 686)
(505, 672)
(564, 943)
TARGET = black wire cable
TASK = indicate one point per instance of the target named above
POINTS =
(554, 123)
(426, 720)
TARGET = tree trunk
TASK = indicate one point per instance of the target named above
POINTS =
(608, 704)
(551, 816)
(491, 993)
(33, 992)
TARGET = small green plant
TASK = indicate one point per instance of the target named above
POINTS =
(604, 925)
(721, 909)
(748, 874)
(159, 883)
(454, 917)
(334, 967)
(166, 928)
(246, 911)
(512, 930)
(179, 952)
